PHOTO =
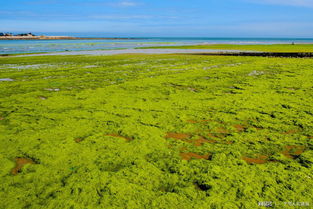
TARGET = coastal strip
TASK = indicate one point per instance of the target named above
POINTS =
(57, 38)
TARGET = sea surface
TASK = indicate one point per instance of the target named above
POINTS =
(38, 46)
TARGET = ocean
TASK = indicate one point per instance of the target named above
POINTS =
(38, 46)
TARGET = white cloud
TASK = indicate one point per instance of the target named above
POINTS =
(126, 4)
(120, 17)
(300, 3)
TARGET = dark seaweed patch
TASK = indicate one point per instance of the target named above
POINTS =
(202, 186)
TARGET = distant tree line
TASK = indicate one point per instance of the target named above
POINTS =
(21, 34)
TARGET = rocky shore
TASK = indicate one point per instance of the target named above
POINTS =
(34, 37)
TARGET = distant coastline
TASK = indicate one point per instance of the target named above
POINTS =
(56, 38)
(31, 36)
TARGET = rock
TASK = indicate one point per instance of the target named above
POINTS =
(256, 73)
(6, 79)
(42, 97)
(52, 89)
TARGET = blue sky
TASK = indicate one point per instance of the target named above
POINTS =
(197, 18)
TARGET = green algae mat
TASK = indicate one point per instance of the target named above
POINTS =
(300, 48)
(155, 131)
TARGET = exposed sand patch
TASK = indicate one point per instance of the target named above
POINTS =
(293, 151)
(190, 155)
(20, 163)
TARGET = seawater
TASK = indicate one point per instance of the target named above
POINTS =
(36, 46)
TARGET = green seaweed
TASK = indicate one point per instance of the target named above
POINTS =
(245, 47)
(97, 131)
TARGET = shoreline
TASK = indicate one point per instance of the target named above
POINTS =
(175, 51)
(277, 50)
(132, 51)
